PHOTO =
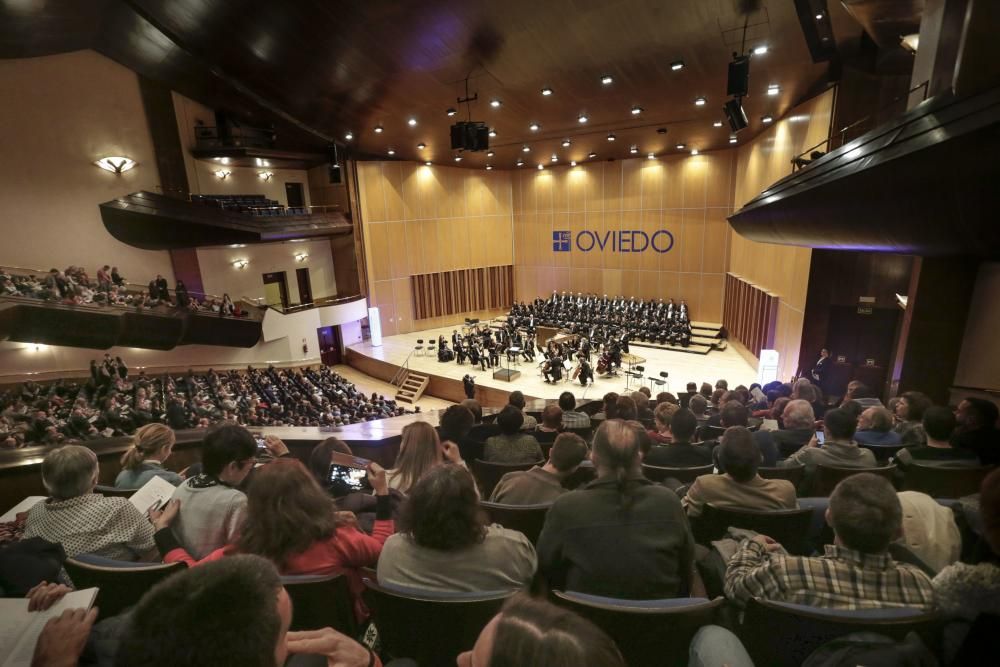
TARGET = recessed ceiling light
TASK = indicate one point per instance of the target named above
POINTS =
(636, 110)
(534, 127)
(572, 163)
(378, 129)
(458, 158)
(592, 155)
(694, 151)
(554, 158)
(421, 145)
(676, 65)
(391, 152)
(495, 103)
(819, 16)
(760, 50)
(540, 167)
(520, 163)
(680, 147)
(489, 153)
(451, 112)
(767, 119)
(651, 156)
(428, 163)
(525, 149)
(732, 139)
(411, 122)
(546, 91)
(492, 132)
(565, 143)
(717, 123)
(611, 136)
(633, 149)
(699, 101)
(773, 89)
(348, 136)
(606, 79)
(489, 167)
(661, 130)
(582, 118)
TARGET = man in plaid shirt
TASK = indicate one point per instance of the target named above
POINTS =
(856, 572)
(571, 417)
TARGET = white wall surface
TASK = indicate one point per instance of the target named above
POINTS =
(59, 114)
(218, 274)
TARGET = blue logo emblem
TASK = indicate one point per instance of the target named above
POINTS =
(561, 241)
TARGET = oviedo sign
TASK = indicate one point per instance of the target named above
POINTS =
(626, 240)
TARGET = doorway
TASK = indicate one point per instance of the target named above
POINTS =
(305, 288)
(329, 345)
(294, 195)
(276, 289)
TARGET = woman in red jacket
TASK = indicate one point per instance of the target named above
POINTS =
(294, 523)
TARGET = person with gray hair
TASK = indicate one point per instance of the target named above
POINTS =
(82, 521)
(875, 428)
(799, 422)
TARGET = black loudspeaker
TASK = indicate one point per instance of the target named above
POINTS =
(738, 84)
(470, 136)
(335, 169)
(735, 115)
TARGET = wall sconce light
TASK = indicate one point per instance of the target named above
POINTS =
(222, 174)
(301, 256)
(115, 164)
(264, 175)
(241, 263)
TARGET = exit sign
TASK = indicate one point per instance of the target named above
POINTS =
(864, 309)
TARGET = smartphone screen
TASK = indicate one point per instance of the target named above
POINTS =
(819, 437)
(354, 479)
(261, 447)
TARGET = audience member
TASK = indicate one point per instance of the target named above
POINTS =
(151, 447)
(454, 425)
(444, 543)
(212, 507)
(855, 572)
(621, 535)
(643, 413)
(480, 430)
(862, 394)
(875, 428)
(625, 409)
(608, 408)
(938, 425)
(838, 448)
(546, 432)
(82, 521)
(419, 451)
(571, 417)
(319, 462)
(739, 487)
(511, 445)
(698, 405)
(516, 399)
(977, 429)
(664, 412)
(679, 452)
(909, 418)
(543, 484)
(294, 523)
(798, 427)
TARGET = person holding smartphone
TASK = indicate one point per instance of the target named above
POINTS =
(833, 446)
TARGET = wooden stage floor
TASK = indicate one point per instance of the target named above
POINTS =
(682, 367)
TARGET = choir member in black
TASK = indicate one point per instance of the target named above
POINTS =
(585, 372)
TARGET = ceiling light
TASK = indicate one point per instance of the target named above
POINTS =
(492, 132)
(651, 156)
(554, 158)
(534, 127)
(592, 155)
(717, 123)
(540, 167)
(699, 101)
(428, 163)
(458, 158)
(565, 143)
(732, 139)
(525, 149)
(412, 122)
(636, 110)
(611, 136)
(572, 163)
(760, 50)
(773, 89)
(495, 103)
(421, 145)
(489, 167)
(633, 149)
(378, 129)
(348, 136)
(114, 164)
(606, 79)
(490, 153)
(694, 151)
(520, 163)
(767, 119)
(451, 112)
(582, 118)
(676, 65)
(819, 16)
(391, 152)
(680, 147)
(546, 91)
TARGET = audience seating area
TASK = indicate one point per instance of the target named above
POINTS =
(257, 205)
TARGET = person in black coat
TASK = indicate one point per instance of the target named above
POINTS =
(162, 289)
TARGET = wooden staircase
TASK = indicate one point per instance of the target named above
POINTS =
(412, 387)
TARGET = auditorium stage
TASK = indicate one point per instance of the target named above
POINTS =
(382, 362)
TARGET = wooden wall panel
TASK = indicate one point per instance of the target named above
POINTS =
(436, 295)
(750, 314)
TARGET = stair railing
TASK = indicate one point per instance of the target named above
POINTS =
(400, 374)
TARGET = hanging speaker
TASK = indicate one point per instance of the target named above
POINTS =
(735, 115)
(738, 84)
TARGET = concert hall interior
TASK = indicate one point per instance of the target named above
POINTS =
(728, 262)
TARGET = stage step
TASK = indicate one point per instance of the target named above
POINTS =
(693, 348)
(412, 387)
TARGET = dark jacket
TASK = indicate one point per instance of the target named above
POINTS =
(678, 455)
(639, 548)
(789, 441)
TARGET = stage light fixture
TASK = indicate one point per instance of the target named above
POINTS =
(582, 118)
(547, 91)
(458, 158)
(492, 133)
(520, 163)
(451, 111)
(694, 151)
(554, 158)
(607, 79)
(636, 110)
(495, 103)
(651, 156)
(611, 136)
(565, 143)
(572, 163)
(379, 129)
(760, 50)
(633, 149)
(348, 136)
(540, 167)
(732, 139)
(428, 163)
(421, 145)
(767, 119)
(412, 122)
(490, 153)
(699, 101)
(591, 155)
(391, 151)
(489, 167)
(680, 147)
(717, 123)
(534, 127)
(773, 89)
(526, 149)
(677, 65)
